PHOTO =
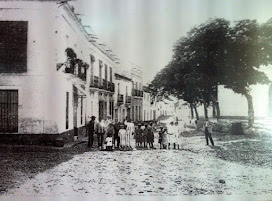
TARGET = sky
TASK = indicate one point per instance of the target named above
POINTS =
(144, 31)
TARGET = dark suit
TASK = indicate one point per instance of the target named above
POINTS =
(90, 130)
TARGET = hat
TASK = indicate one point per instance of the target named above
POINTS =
(93, 117)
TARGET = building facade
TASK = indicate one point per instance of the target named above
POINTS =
(137, 93)
(123, 84)
(56, 79)
(150, 106)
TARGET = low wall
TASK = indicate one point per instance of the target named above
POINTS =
(40, 139)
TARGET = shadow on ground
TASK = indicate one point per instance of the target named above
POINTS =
(21, 163)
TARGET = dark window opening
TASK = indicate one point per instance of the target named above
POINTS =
(106, 72)
(110, 74)
(81, 111)
(67, 110)
(13, 46)
(8, 111)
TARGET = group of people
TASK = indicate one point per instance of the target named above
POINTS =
(125, 136)
(169, 137)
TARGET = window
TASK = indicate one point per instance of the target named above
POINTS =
(81, 110)
(9, 111)
(110, 74)
(13, 46)
(111, 108)
(144, 116)
(100, 69)
(67, 110)
(106, 72)
(118, 88)
(126, 90)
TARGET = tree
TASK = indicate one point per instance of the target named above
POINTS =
(215, 53)
(246, 51)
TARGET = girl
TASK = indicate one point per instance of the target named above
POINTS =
(161, 137)
(122, 135)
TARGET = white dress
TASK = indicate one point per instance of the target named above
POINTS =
(171, 133)
(123, 137)
(130, 131)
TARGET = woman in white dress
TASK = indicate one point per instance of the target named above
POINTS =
(170, 134)
(130, 132)
(123, 137)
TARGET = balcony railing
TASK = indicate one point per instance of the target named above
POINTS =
(95, 82)
(105, 84)
(76, 70)
(120, 99)
(128, 99)
(102, 84)
(134, 92)
(111, 87)
(138, 93)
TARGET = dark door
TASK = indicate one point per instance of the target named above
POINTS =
(75, 106)
(128, 113)
(101, 110)
(8, 111)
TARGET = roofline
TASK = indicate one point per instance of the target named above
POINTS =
(122, 77)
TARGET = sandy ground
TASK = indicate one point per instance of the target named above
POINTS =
(196, 171)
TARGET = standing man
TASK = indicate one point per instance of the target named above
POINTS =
(208, 132)
(90, 130)
(116, 137)
(100, 132)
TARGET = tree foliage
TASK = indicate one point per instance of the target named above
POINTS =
(216, 53)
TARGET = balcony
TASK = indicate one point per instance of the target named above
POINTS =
(102, 84)
(120, 99)
(138, 93)
(128, 99)
(95, 82)
(134, 92)
(105, 84)
(79, 70)
(111, 87)
(141, 93)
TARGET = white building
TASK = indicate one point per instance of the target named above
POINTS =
(137, 93)
(122, 97)
(155, 107)
(43, 92)
(150, 106)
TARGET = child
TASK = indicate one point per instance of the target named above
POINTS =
(176, 136)
(138, 136)
(171, 132)
(161, 137)
(164, 139)
(108, 143)
(122, 136)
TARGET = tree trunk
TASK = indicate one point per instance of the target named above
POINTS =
(192, 111)
(217, 110)
(213, 110)
(205, 111)
(196, 113)
(250, 110)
